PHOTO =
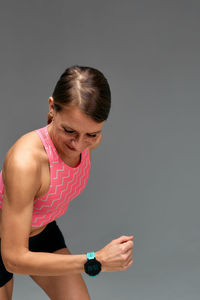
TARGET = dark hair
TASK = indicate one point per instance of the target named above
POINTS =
(85, 87)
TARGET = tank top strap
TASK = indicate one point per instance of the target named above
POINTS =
(43, 133)
(1, 183)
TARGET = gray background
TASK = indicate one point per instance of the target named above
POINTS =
(145, 176)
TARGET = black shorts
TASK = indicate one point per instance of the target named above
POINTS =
(49, 240)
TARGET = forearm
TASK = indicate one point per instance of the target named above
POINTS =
(48, 264)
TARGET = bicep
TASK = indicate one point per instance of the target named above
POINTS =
(21, 184)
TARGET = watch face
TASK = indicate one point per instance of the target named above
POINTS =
(92, 267)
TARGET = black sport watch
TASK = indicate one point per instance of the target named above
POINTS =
(92, 266)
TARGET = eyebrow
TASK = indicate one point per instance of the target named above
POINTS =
(76, 131)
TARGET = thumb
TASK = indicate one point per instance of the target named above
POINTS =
(125, 238)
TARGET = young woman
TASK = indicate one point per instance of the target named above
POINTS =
(42, 172)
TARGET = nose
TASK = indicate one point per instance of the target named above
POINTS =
(77, 143)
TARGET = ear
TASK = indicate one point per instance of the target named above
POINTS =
(51, 107)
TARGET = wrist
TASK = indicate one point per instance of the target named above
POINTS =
(99, 257)
(93, 266)
(83, 261)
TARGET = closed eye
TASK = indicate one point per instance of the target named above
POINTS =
(72, 131)
(91, 135)
(68, 131)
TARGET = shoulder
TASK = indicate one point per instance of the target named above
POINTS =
(26, 152)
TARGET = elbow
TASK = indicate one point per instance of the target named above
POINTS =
(12, 264)
(10, 268)
(8, 264)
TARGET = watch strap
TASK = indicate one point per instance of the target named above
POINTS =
(90, 255)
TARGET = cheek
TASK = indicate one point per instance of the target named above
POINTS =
(63, 138)
(92, 141)
(88, 142)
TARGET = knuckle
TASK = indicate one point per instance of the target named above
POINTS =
(122, 268)
(127, 257)
(125, 267)
(123, 257)
(131, 244)
(123, 248)
(131, 263)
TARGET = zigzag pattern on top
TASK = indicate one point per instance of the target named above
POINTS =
(66, 183)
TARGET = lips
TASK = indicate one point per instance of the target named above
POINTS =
(73, 149)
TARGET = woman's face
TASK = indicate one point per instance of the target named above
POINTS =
(72, 131)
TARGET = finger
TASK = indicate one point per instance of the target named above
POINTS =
(129, 264)
(128, 246)
(129, 254)
(125, 238)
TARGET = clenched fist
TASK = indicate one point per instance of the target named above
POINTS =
(117, 255)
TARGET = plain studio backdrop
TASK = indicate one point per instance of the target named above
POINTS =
(145, 175)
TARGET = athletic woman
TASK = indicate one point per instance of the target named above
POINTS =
(42, 172)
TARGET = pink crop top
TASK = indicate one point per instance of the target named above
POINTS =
(66, 183)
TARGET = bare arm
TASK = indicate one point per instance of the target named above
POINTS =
(21, 175)
(21, 179)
